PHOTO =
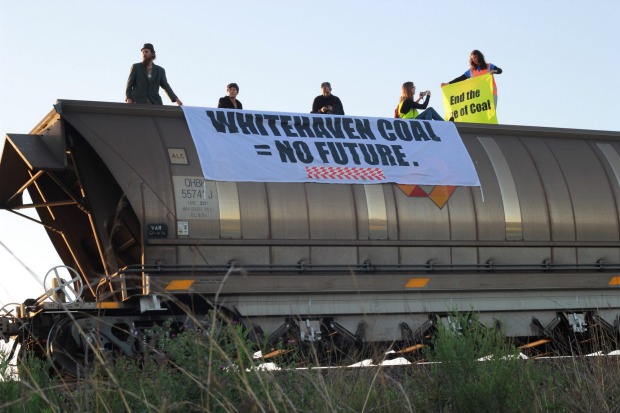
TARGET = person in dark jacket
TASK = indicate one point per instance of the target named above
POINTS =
(230, 100)
(326, 102)
(146, 78)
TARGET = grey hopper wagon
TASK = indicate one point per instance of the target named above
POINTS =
(120, 190)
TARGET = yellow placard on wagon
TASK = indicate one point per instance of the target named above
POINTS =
(470, 101)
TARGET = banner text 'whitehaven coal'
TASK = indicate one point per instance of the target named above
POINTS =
(291, 147)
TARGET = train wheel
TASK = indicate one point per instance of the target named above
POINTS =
(68, 348)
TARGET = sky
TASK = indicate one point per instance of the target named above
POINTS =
(560, 61)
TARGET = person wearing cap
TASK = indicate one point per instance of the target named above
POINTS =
(146, 78)
(230, 101)
(326, 103)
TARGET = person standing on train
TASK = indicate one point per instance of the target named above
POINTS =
(478, 67)
(326, 103)
(230, 100)
(408, 108)
(146, 78)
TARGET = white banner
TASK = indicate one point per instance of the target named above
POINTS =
(255, 146)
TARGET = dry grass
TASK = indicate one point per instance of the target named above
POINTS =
(214, 371)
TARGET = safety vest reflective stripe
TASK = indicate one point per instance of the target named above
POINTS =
(412, 114)
(476, 72)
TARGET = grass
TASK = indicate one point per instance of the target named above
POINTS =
(214, 371)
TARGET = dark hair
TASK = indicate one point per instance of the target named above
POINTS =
(236, 86)
(481, 61)
(326, 84)
(405, 93)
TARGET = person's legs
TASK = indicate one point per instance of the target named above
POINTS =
(429, 114)
(423, 115)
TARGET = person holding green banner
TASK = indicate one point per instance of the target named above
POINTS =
(408, 108)
(478, 67)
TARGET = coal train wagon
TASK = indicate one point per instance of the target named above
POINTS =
(119, 189)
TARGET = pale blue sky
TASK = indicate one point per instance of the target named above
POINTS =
(560, 62)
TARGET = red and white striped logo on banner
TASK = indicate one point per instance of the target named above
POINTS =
(345, 173)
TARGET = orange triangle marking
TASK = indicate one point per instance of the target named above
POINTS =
(440, 194)
(412, 190)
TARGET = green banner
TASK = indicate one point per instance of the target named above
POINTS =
(470, 101)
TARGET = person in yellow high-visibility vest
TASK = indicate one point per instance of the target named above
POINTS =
(408, 108)
(478, 67)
